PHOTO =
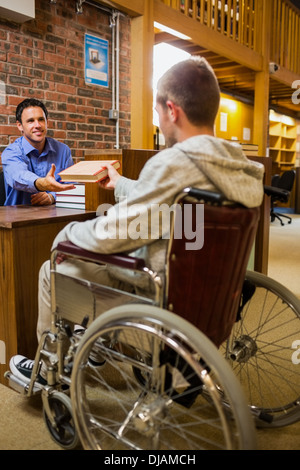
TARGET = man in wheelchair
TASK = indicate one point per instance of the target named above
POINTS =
(187, 103)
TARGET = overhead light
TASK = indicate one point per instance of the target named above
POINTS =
(228, 103)
(171, 31)
(52, 1)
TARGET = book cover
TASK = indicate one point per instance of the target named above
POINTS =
(88, 171)
(249, 146)
(250, 153)
(79, 190)
(250, 150)
(72, 198)
(70, 205)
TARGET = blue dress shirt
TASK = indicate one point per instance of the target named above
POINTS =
(22, 165)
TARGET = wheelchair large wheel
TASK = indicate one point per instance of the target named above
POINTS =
(172, 403)
(264, 352)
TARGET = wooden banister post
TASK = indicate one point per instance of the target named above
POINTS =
(142, 42)
(262, 81)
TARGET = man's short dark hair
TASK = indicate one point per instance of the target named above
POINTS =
(28, 103)
(192, 85)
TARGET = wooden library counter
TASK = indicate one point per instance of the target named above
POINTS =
(26, 236)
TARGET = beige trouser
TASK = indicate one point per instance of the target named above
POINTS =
(75, 268)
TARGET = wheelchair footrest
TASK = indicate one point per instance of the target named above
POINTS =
(19, 385)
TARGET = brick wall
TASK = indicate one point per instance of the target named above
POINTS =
(44, 58)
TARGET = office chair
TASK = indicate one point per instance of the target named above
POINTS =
(285, 182)
(2, 189)
(275, 180)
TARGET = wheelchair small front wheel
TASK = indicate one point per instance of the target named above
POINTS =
(63, 431)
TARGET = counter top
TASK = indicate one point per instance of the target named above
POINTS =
(17, 216)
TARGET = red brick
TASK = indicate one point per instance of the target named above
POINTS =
(60, 135)
(49, 51)
(54, 96)
(8, 130)
(70, 90)
(17, 59)
(54, 58)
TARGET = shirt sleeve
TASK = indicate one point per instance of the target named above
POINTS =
(16, 170)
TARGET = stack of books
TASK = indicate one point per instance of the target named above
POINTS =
(250, 150)
(83, 172)
(72, 198)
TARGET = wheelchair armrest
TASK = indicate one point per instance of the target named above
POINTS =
(277, 194)
(117, 259)
(206, 196)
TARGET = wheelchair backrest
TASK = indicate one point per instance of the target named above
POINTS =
(204, 285)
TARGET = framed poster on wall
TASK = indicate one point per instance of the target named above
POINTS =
(96, 60)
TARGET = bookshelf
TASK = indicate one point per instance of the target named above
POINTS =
(282, 141)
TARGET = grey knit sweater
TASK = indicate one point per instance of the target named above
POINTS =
(202, 161)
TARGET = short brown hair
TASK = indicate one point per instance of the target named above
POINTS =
(192, 85)
(28, 103)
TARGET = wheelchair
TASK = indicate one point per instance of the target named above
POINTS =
(196, 364)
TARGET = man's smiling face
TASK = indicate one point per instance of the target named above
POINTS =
(34, 126)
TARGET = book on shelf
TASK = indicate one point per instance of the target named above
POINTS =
(249, 146)
(71, 205)
(79, 190)
(250, 149)
(88, 171)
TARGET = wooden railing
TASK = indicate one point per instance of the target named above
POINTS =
(285, 36)
(241, 20)
(233, 18)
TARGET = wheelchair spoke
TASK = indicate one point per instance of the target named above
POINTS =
(149, 394)
(260, 352)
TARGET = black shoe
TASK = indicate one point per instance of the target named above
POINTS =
(22, 368)
(96, 360)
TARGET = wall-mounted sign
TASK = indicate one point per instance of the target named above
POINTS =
(223, 122)
(96, 61)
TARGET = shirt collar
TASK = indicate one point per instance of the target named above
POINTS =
(28, 148)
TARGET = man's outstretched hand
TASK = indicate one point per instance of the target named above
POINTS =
(49, 183)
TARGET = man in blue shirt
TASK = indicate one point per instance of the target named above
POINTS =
(31, 164)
